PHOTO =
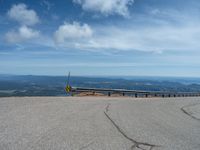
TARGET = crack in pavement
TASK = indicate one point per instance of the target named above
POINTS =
(86, 146)
(107, 107)
(183, 109)
(136, 144)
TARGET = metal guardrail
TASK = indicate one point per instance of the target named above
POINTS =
(135, 93)
(124, 92)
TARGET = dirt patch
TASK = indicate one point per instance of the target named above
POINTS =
(89, 94)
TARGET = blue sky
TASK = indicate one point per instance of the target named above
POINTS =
(100, 37)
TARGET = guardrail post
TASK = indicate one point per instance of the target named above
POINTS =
(136, 95)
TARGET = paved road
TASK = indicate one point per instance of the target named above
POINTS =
(64, 123)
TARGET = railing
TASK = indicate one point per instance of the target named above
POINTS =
(135, 93)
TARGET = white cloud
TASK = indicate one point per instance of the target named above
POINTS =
(22, 34)
(106, 7)
(72, 31)
(23, 15)
(150, 39)
(26, 17)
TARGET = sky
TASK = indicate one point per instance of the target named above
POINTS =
(100, 37)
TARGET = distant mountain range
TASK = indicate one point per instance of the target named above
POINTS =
(28, 85)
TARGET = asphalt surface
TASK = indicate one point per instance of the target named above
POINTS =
(97, 123)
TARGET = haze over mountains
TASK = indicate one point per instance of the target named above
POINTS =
(28, 85)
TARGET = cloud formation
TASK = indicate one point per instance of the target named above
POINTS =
(152, 39)
(23, 15)
(72, 31)
(22, 34)
(106, 7)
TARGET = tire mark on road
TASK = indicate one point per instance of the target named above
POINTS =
(136, 144)
(183, 109)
